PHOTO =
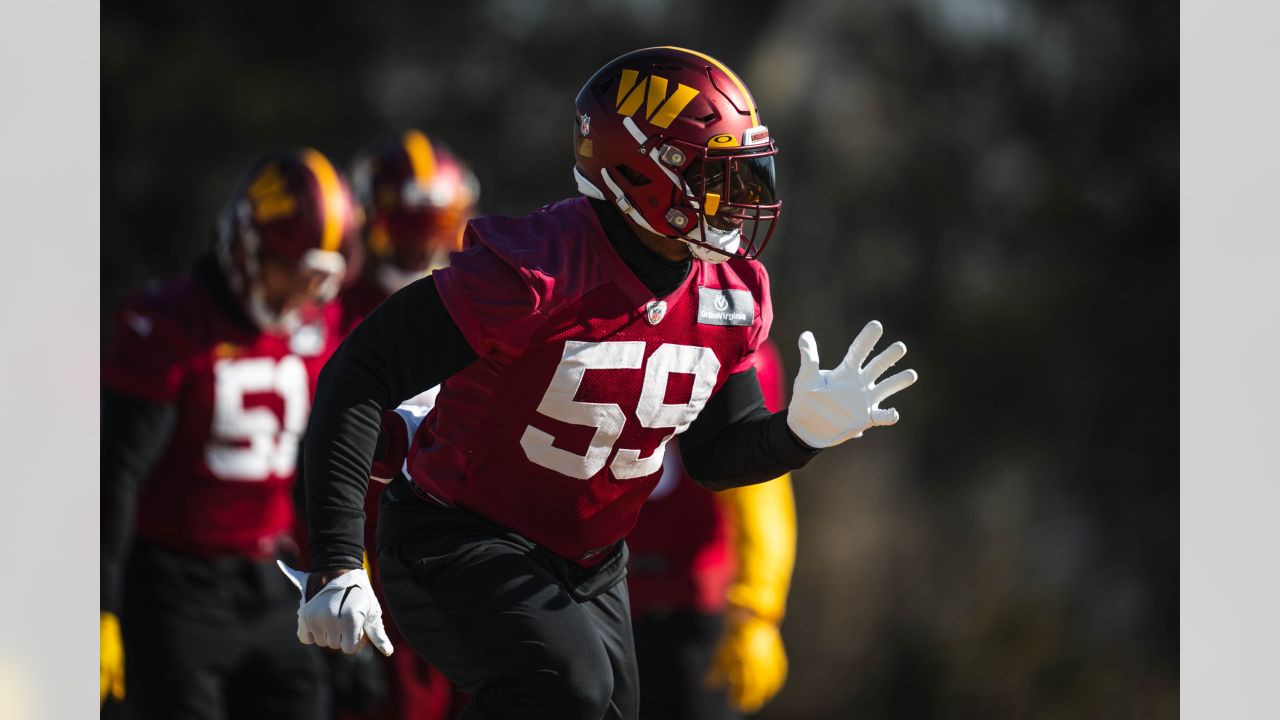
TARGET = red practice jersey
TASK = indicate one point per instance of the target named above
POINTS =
(681, 551)
(359, 300)
(558, 430)
(223, 484)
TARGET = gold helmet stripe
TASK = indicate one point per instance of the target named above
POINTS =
(421, 155)
(751, 102)
(332, 202)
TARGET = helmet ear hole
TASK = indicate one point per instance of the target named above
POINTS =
(632, 176)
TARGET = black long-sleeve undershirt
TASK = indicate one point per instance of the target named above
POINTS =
(407, 345)
(134, 434)
(410, 343)
(736, 441)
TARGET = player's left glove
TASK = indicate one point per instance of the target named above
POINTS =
(829, 407)
(343, 615)
(111, 650)
(750, 661)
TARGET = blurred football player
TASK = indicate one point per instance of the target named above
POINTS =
(572, 344)
(207, 386)
(708, 576)
(417, 197)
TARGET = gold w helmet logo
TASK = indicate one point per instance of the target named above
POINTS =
(659, 109)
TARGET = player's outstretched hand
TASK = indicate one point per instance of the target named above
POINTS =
(344, 615)
(831, 406)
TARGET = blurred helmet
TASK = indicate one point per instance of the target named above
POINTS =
(294, 208)
(673, 138)
(417, 198)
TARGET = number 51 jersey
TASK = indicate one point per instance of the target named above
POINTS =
(223, 483)
(558, 430)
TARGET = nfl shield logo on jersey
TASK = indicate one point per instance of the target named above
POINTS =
(584, 126)
(656, 310)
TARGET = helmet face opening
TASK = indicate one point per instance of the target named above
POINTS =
(730, 190)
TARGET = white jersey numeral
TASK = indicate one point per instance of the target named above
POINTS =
(272, 447)
(609, 419)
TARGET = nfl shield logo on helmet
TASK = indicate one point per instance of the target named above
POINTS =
(656, 310)
(584, 126)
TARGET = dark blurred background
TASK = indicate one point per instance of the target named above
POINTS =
(995, 180)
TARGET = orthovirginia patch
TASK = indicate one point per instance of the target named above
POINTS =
(725, 307)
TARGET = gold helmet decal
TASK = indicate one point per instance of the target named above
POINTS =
(269, 195)
(659, 109)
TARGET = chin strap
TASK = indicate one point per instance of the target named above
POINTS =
(620, 199)
(726, 241)
(585, 187)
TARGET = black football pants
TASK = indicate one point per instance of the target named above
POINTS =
(527, 634)
(216, 639)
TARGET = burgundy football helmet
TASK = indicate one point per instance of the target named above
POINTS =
(417, 198)
(673, 138)
(294, 207)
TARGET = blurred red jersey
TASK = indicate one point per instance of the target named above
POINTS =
(223, 484)
(558, 431)
(359, 300)
(681, 551)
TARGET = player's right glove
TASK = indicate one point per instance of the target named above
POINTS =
(750, 661)
(829, 407)
(111, 652)
(342, 615)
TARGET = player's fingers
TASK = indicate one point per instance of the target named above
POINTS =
(359, 645)
(861, 346)
(881, 417)
(885, 360)
(777, 675)
(783, 668)
(351, 630)
(808, 375)
(377, 635)
(333, 640)
(304, 634)
(896, 383)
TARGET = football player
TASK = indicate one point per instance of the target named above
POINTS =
(708, 578)
(573, 344)
(207, 386)
(417, 197)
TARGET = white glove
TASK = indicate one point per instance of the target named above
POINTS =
(831, 406)
(344, 615)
